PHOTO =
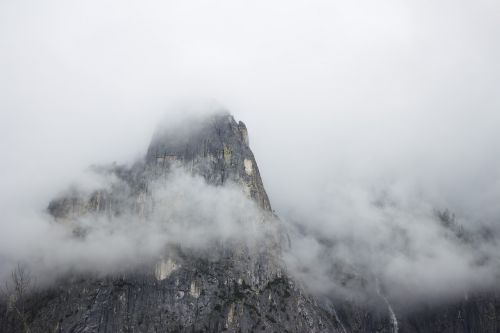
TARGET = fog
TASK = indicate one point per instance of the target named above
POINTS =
(132, 233)
(365, 118)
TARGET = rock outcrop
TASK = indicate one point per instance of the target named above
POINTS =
(216, 148)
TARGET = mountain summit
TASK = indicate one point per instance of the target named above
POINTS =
(215, 147)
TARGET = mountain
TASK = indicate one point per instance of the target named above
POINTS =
(223, 286)
(235, 288)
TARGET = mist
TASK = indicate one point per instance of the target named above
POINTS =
(365, 118)
(182, 212)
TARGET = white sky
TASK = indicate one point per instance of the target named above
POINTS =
(333, 92)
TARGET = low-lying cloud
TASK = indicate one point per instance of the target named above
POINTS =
(351, 241)
(361, 238)
(129, 230)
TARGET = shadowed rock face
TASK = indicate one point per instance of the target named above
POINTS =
(229, 288)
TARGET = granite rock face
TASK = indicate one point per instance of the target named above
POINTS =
(216, 148)
(230, 288)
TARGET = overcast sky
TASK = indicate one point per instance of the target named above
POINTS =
(337, 95)
(392, 89)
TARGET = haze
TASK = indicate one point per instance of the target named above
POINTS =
(346, 103)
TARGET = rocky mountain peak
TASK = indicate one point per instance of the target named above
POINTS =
(214, 146)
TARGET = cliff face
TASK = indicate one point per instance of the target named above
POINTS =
(228, 287)
(214, 147)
